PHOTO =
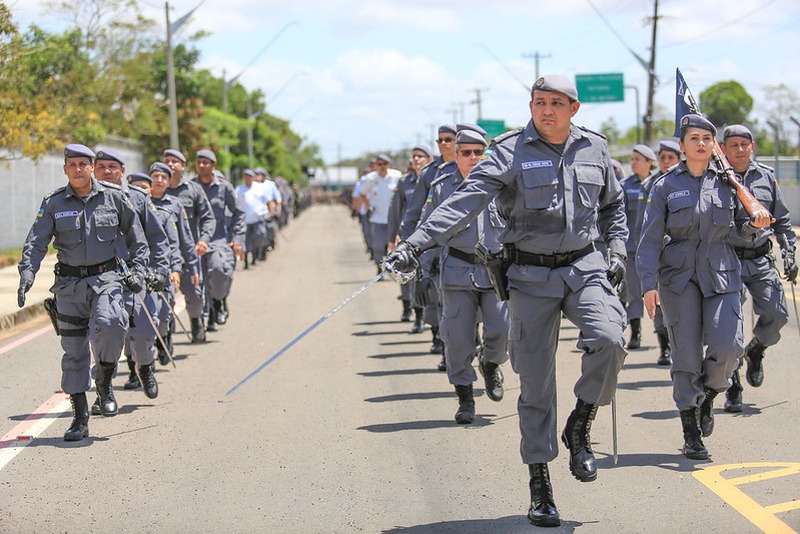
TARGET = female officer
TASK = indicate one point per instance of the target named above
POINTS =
(688, 265)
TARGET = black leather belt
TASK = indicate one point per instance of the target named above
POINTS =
(82, 271)
(463, 256)
(752, 253)
(552, 261)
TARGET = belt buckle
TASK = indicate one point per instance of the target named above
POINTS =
(83, 271)
(562, 257)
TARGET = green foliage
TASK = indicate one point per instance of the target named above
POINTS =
(726, 103)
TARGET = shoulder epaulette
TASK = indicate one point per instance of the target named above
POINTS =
(767, 167)
(508, 134)
(587, 130)
(441, 178)
(444, 164)
(137, 189)
(111, 186)
(55, 191)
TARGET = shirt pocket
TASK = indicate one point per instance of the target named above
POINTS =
(68, 231)
(680, 211)
(591, 180)
(721, 210)
(541, 187)
(106, 224)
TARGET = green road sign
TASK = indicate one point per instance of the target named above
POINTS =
(493, 127)
(600, 87)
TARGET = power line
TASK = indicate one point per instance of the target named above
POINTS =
(719, 28)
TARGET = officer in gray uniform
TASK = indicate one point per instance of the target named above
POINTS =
(203, 225)
(227, 241)
(758, 264)
(467, 293)
(553, 184)
(110, 168)
(687, 263)
(642, 161)
(86, 218)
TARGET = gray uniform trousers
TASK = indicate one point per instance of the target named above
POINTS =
(218, 265)
(533, 340)
(769, 300)
(694, 321)
(634, 303)
(194, 296)
(97, 302)
(460, 311)
(256, 236)
(141, 333)
(164, 309)
(378, 241)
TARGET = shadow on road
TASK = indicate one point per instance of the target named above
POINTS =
(382, 428)
(413, 396)
(636, 386)
(507, 525)
(401, 355)
(401, 372)
(670, 462)
(378, 333)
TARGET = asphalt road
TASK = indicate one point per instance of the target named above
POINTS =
(351, 430)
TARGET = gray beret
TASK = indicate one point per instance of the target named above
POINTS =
(140, 177)
(208, 154)
(449, 128)
(693, 120)
(259, 170)
(383, 157)
(78, 151)
(248, 172)
(174, 153)
(469, 126)
(109, 155)
(736, 130)
(466, 137)
(160, 167)
(645, 151)
(423, 148)
(556, 83)
(670, 146)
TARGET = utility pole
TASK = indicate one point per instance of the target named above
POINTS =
(173, 104)
(776, 130)
(536, 57)
(478, 101)
(651, 80)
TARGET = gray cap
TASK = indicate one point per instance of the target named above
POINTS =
(449, 128)
(109, 155)
(693, 120)
(76, 150)
(248, 172)
(383, 157)
(670, 146)
(175, 153)
(208, 154)
(470, 137)
(736, 130)
(423, 148)
(556, 83)
(261, 171)
(645, 151)
(140, 177)
(161, 167)
(469, 126)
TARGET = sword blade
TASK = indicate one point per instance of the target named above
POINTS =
(155, 328)
(175, 315)
(614, 427)
(794, 303)
(305, 332)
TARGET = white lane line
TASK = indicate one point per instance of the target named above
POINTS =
(24, 339)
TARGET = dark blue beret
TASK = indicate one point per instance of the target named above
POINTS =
(447, 128)
(645, 151)
(556, 83)
(423, 148)
(208, 154)
(469, 126)
(174, 153)
(693, 120)
(140, 177)
(108, 154)
(470, 137)
(670, 146)
(78, 151)
(737, 130)
(160, 167)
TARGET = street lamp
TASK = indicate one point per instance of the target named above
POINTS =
(638, 117)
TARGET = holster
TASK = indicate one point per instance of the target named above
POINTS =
(50, 308)
(496, 266)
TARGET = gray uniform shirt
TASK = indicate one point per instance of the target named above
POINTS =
(183, 251)
(198, 210)
(222, 197)
(151, 225)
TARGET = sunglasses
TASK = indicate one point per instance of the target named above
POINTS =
(445, 139)
(467, 153)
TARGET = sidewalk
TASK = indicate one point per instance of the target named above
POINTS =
(11, 314)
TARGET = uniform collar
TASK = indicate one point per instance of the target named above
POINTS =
(96, 186)
(531, 134)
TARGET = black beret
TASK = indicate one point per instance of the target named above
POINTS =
(108, 154)
(737, 130)
(160, 167)
(693, 120)
(78, 151)
(139, 177)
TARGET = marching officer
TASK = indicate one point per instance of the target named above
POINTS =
(203, 225)
(87, 219)
(227, 241)
(758, 265)
(687, 263)
(259, 208)
(553, 183)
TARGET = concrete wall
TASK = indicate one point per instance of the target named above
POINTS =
(24, 184)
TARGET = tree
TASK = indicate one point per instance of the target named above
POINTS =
(784, 102)
(726, 103)
(610, 130)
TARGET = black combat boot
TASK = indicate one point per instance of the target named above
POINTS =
(417, 327)
(636, 334)
(133, 378)
(466, 405)
(148, 378)
(198, 330)
(576, 438)
(492, 379)
(543, 511)
(706, 411)
(664, 357)
(733, 397)
(163, 357)
(406, 316)
(438, 345)
(102, 382)
(754, 353)
(693, 447)
(79, 428)
(222, 311)
(211, 324)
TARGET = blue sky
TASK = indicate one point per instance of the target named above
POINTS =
(356, 76)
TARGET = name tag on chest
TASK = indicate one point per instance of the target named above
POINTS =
(62, 214)
(536, 164)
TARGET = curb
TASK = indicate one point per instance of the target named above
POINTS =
(25, 314)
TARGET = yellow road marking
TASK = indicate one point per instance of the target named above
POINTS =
(727, 489)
